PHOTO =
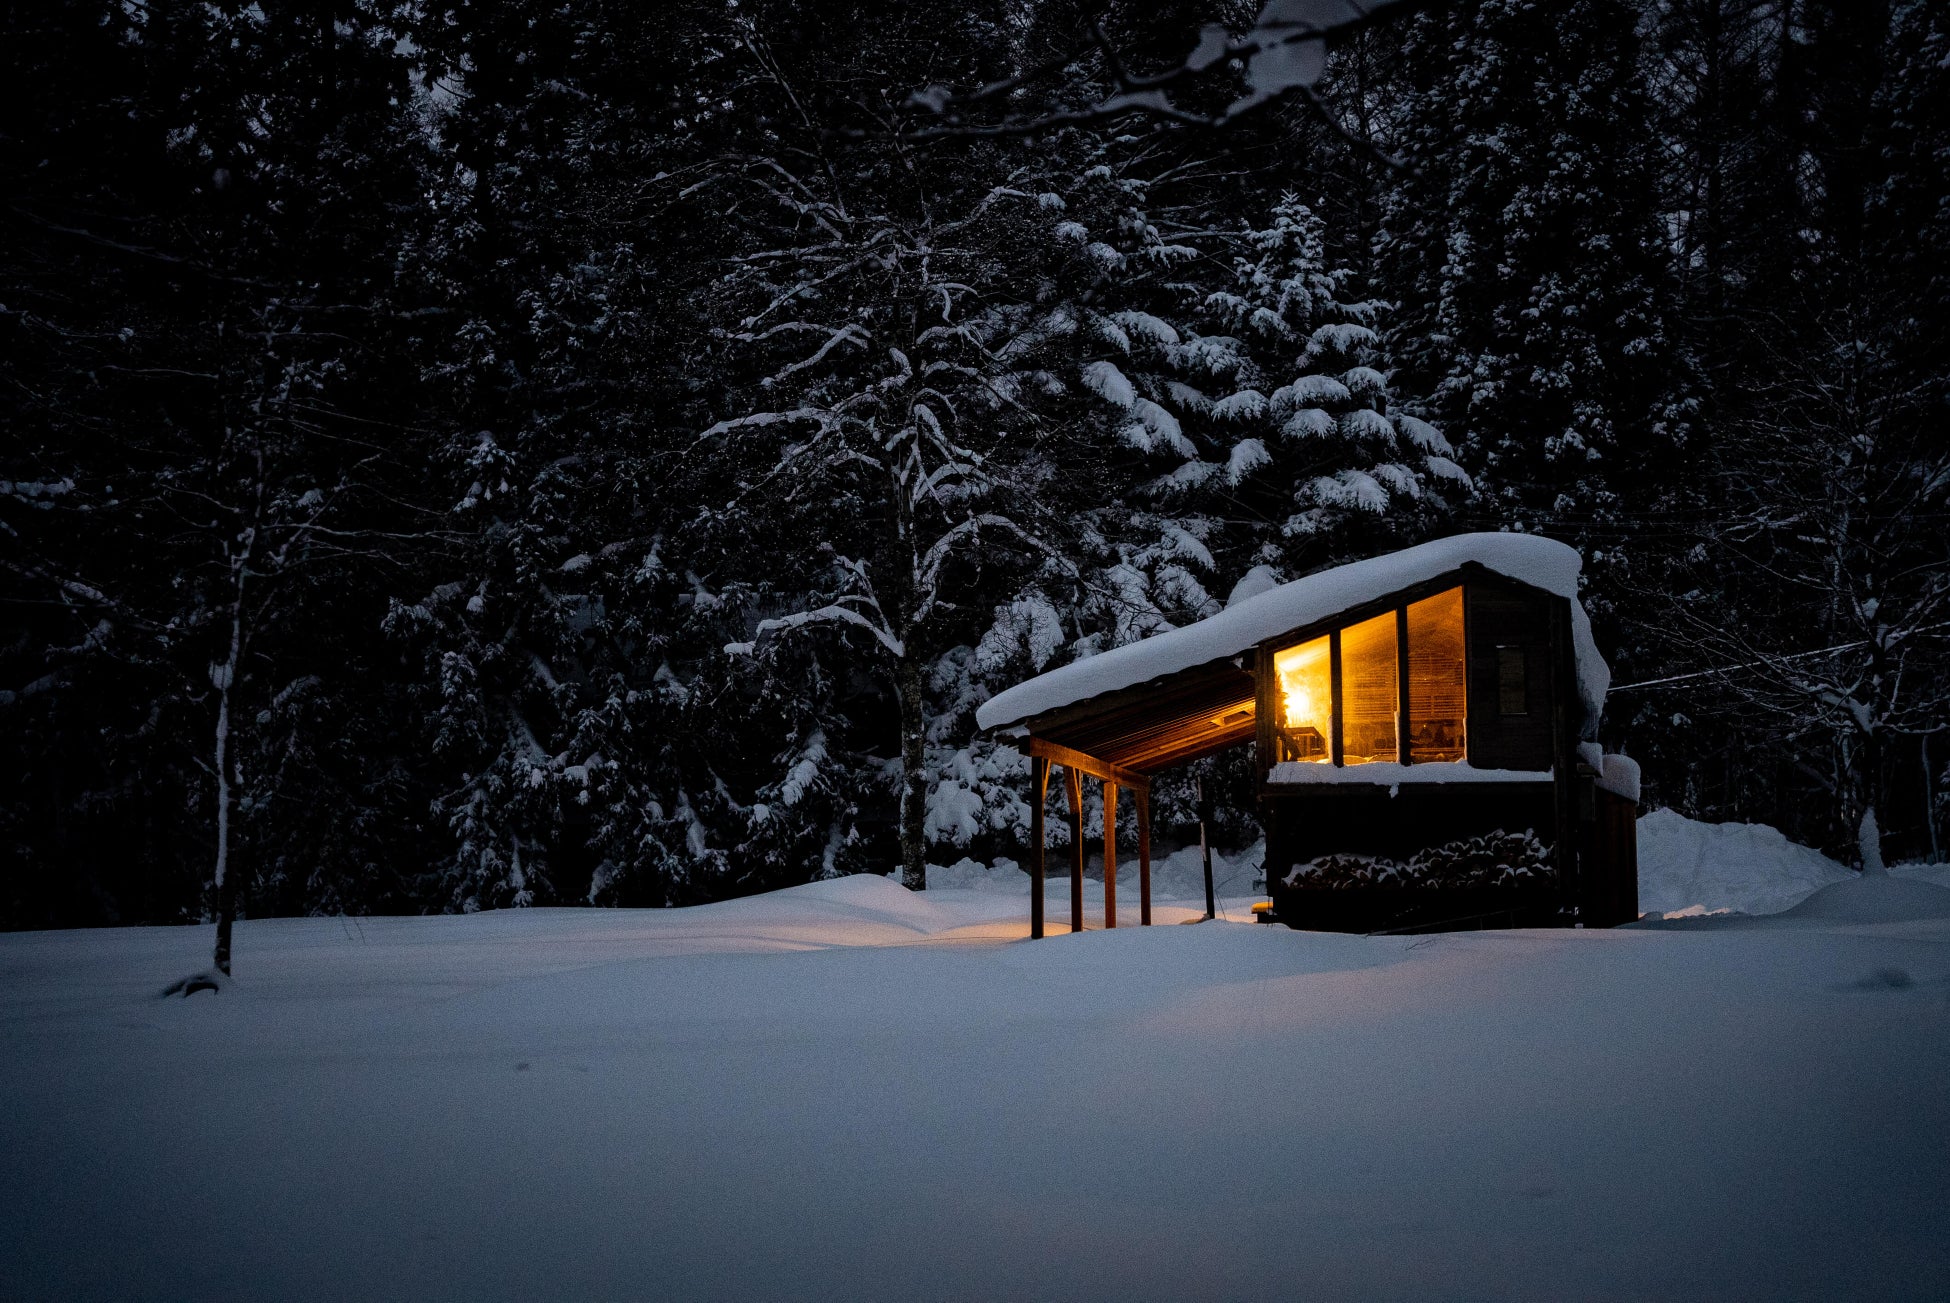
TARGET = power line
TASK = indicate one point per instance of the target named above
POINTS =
(1768, 660)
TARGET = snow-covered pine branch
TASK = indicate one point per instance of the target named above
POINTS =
(1283, 52)
(829, 614)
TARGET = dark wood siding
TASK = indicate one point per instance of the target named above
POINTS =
(1610, 862)
(1303, 822)
(1502, 624)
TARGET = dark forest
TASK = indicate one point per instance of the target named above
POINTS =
(460, 455)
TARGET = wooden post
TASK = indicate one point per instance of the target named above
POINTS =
(1564, 757)
(1038, 795)
(1564, 761)
(1073, 788)
(1110, 855)
(1204, 846)
(1144, 856)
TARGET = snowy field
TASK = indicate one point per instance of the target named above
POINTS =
(849, 1091)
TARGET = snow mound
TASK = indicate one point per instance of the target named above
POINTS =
(1259, 579)
(1689, 867)
(1877, 899)
(861, 898)
(1180, 874)
(859, 890)
(1004, 877)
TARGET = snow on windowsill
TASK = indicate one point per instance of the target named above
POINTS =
(1388, 773)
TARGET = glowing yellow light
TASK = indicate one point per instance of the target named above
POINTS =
(1299, 705)
(1306, 692)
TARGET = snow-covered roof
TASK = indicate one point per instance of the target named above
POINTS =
(1540, 562)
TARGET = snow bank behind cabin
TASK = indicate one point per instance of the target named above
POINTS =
(1540, 562)
(1688, 868)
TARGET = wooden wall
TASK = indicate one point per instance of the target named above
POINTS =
(1304, 822)
(1527, 722)
(1609, 861)
(1519, 620)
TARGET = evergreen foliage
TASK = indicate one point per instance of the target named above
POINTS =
(466, 455)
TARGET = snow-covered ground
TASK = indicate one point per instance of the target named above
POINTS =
(849, 1091)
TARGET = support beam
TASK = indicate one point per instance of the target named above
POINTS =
(1073, 788)
(1404, 750)
(1335, 750)
(1110, 855)
(1144, 858)
(1038, 796)
(1073, 759)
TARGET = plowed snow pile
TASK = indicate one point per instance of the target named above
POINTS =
(1691, 868)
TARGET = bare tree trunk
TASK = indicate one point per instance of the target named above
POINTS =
(223, 676)
(914, 777)
(913, 704)
(1868, 833)
(1929, 798)
(1868, 843)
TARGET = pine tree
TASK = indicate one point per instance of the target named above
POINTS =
(544, 642)
(1526, 244)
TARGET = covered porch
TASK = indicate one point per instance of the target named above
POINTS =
(1121, 740)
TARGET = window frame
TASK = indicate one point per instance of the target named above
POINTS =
(1270, 700)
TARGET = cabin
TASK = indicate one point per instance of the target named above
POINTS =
(1423, 726)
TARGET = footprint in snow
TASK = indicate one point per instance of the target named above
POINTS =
(1883, 979)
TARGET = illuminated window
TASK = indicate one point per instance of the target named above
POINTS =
(1306, 701)
(1435, 678)
(1369, 690)
(1363, 677)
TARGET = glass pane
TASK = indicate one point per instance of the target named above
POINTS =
(1368, 690)
(1512, 683)
(1435, 678)
(1306, 702)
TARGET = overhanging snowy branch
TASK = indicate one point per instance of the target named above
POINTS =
(832, 614)
(1284, 51)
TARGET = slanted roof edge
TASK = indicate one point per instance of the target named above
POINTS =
(1056, 717)
(1525, 558)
